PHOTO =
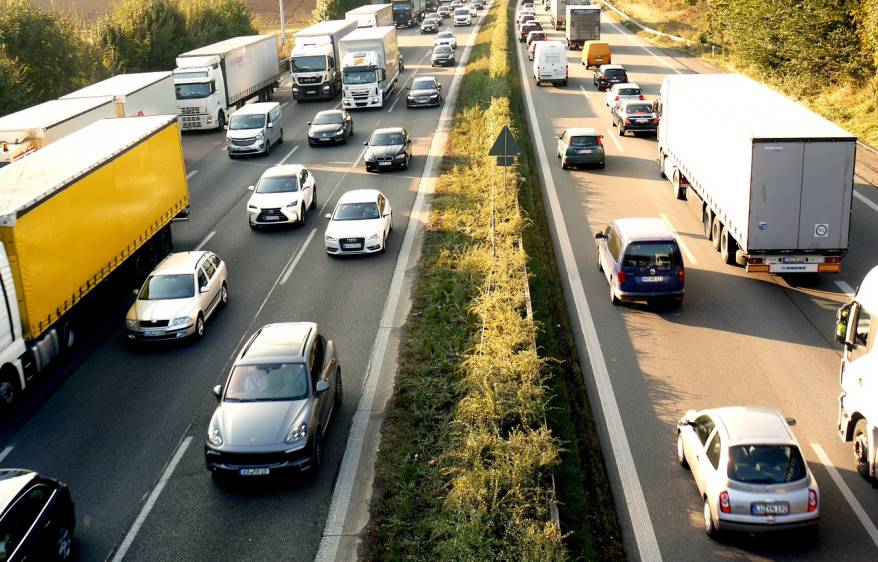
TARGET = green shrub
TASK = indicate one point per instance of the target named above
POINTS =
(209, 21)
(142, 35)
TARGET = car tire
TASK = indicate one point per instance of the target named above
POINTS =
(709, 528)
(727, 246)
(622, 130)
(716, 229)
(861, 448)
(314, 197)
(9, 390)
(64, 542)
(563, 164)
(281, 139)
(317, 453)
(302, 217)
(681, 456)
(602, 165)
(390, 227)
(199, 327)
(221, 120)
(224, 295)
(405, 165)
(267, 150)
(613, 298)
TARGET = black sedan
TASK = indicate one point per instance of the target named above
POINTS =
(443, 55)
(36, 517)
(636, 117)
(387, 149)
(425, 91)
(330, 127)
(429, 25)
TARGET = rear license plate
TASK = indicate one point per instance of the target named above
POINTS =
(351, 246)
(584, 151)
(652, 279)
(271, 218)
(154, 332)
(774, 508)
(642, 120)
(254, 471)
(797, 259)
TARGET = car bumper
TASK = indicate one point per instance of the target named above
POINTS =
(369, 247)
(445, 62)
(748, 524)
(381, 166)
(641, 127)
(630, 296)
(230, 462)
(258, 146)
(285, 216)
(326, 140)
(161, 334)
(427, 103)
(593, 158)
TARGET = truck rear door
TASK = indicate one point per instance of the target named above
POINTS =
(827, 181)
(775, 195)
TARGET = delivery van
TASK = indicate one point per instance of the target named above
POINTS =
(550, 63)
(254, 128)
(596, 53)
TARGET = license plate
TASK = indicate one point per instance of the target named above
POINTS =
(351, 246)
(584, 151)
(310, 91)
(652, 279)
(271, 218)
(384, 163)
(254, 471)
(774, 508)
(643, 120)
(799, 259)
(154, 332)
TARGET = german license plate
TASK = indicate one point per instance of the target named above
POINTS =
(585, 151)
(652, 278)
(254, 471)
(769, 508)
(310, 91)
(271, 218)
(384, 163)
(796, 259)
(154, 332)
(643, 120)
(351, 246)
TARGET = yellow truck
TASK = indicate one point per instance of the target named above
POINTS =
(90, 210)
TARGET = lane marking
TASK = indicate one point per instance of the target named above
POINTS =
(190, 174)
(344, 484)
(284, 104)
(150, 502)
(680, 241)
(402, 88)
(866, 201)
(6, 452)
(627, 32)
(584, 92)
(847, 493)
(290, 153)
(638, 512)
(618, 144)
(351, 167)
(205, 240)
(846, 289)
(299, 254)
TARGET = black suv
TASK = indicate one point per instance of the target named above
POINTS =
(36, 517)
(608, 74)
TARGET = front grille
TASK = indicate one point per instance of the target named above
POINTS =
(190, 110)
(153, 323)
(243, 142)
(384, 158)
(308, 79)
(269, 212)
(256, 459)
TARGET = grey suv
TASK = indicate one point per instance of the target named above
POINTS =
(276, 404)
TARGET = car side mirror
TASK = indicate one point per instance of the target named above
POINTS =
(218, 391)
(308, 123)
(322, 386)
(365, 143)
(251, 187)
(328, 216)
(600, 236)
(135, 291)
(841, 323)
(202, 289)
(225, 127)
(271, 125)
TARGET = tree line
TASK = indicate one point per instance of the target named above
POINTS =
(45, 54)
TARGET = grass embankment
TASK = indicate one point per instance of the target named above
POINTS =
(463, 471)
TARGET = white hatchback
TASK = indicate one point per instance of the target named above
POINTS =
(628, 91)
(445, 38)
(360, 223)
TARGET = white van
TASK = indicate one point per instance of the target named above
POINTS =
(550, 62)
(254, 128)
(462, 17)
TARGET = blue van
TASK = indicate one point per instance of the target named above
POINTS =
(642, 261)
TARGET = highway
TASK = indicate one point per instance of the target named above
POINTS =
(125, 427)
(738, 339)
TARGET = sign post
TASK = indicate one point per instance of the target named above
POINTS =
(505, 149)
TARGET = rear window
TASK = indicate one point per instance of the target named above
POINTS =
(584, 141)
(638, 108)
(765, 464)
(614, 72)
(629, 91)
(652, 254)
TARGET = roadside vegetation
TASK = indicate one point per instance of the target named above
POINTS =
(488, 404)
(824, 54)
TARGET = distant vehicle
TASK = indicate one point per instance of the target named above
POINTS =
(558, 11)
(526, 28)
(387, 149)
(443, 55)
(430, 25)
(524, 18)
(534, 36)
(462, 17)
(455, 4)
(608, 75)
(749, 469)
(473, 11)
(635, 116)
(37, 517)
(642, 262)
(596, 53)
(407, 13)
(446, 38)
(254, 129)
(282, 195)
(478, 5)
(360, 223)
(580, 146)
(583, 24)
(276, 404)
(330, 126)
(525, 12)
(371, 15)
(533, 46)
(550, 63)
(444, 11)
(425, 91)
(315, 63)
(619, 93)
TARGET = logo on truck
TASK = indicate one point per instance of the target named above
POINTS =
(821, 230)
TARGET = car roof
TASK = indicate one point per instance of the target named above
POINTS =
(281, 341)
(179, 262)
(282, 170)
(644, 229)
(388, 130)
(626, 85)
(359, 196)
(12, 480)
(445, 34)
(424, 78)
(257, 108)
(611, 67)
(582, 132)
(748, 424)
(329, 112)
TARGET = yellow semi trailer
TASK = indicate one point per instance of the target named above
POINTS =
(92, 207)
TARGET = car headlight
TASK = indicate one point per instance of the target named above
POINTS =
(374, 236)
(291, 204)
(132, 324)
(434, 96)
(179, 321)
(260, 136)
(252, 208)
(340, 131)
(331, 238)
(325, 88)
(214, 435)
(399, 156)
(368, 157)
(298, 431)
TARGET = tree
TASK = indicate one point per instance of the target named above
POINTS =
(9, 85)
(142, 36)
(209, 21)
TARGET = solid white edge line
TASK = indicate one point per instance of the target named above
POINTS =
(344, 484)
(151, 500)
(190, 174)
(615, 140)
(290, 153)
(866, 201)
(846, 289)
(299, 254)
(847, 493)
(205, 240)
(638, 512)
(6, 452)
(680, 241)
(625, 31)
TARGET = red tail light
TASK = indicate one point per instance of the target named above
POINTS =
(681, 275)
(833, 259)
(754, 261)
(812, 500)
(569, 141)
(600, 142)
(616, 98)
(642, 98)
(621, 277)
(724, 504)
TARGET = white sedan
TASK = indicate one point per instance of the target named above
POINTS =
(445, 38)
(623, 92)
(360, 224)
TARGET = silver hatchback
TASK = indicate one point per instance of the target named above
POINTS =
(749, 470)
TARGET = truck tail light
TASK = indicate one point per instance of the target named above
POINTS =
(812, 500)
(754, 261)
(833, 259)
(724, 504)
(621, 277)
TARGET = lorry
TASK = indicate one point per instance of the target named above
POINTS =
(370, 66)
(558, 11)
(31, 129)
(773, 181)
(371, 15)
(136, 95)
(315, 64)
(409, 13)
(213, 81)
(80, 220)
(583, 23)
(857, 406)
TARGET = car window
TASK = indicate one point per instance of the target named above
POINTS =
(278, 184)
(629, 91)
(356, 211)
(162, 287)
(703, 426)
(614, 243)
(614, 72)
(202, 278)
(267, 382)
(862, 333)
(238, 122)
(386, 139)
(21, 517)
(632, 108)
(214, 259)
(586, 140)
(328, 119)
(766, 464)
(714, 449)
(652, 254)
(209, 268)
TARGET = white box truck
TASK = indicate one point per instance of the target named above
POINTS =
(774, 180)
(583, 23)
(370, 66)
(213, 81)
(315, 64)
(558, 11)
(137, 94)
(33, 128)
(371, 15)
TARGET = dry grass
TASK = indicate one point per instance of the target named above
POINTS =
(676, 17)
(265, 11)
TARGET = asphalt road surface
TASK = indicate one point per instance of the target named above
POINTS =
(125, 428)
(739, 339)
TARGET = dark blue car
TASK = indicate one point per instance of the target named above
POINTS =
(642, 261)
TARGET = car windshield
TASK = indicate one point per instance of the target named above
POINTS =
(638, 108)
(278, 184)
(401, 6)
(358, 76)
(652, 254)
(385, 139)
(765, 464)
(267, 382)
(328, 119)
(424, 85)
(628, 91)
(461, 12)
(311, 63)
(240, 122)
(584, 141)
(356, 212)
(442, 50)
(192, 91)
(166, 287)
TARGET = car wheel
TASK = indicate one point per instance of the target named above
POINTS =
(602, 165)
(199, 326)
(221, 120)
(681, 456)
(613, 298)
(338, 388)
(600, 265)
(709, 527)
(621, 130)
(707, 222)
(224, 295)
(405, 165)
(314, 196)
(302, 214)
(64, 543)
(8, 392)
(727, 246)
(267, 150)
(390, 227)
(563, 164)
(281, 139)
(861, 448)
(317, 453)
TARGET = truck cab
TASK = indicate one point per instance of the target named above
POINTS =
(362, 80)
(857, 406)
(313, 68)
(200, 91)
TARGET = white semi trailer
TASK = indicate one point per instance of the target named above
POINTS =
(136, 95)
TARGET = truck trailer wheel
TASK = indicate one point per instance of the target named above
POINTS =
(861, 448)
(707, 221)
(727, 246)
(716, 231)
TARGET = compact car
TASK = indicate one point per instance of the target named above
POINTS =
(622, 92)
(445, 38)
(442, 55)
(360, 223)
(579, 147)
(607, 75)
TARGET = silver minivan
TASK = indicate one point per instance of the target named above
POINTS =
(254, 128)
